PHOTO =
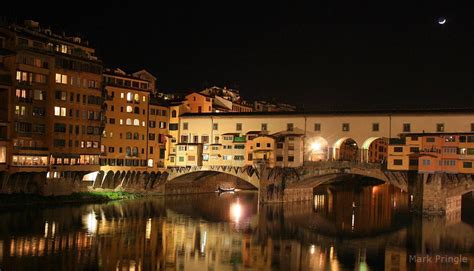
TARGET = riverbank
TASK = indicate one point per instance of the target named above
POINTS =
(19, 199)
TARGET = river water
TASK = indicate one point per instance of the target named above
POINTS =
(346, 227)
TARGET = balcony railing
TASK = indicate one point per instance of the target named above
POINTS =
(30, 148)
(24, 100)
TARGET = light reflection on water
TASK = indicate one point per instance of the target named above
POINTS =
(343, 228)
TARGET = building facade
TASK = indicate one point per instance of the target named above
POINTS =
(54, 102)
(433, 152)
(351, 136)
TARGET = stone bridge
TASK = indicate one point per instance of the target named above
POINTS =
(131, 180)
(434, 193)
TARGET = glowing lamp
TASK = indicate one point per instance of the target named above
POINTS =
(315, 146)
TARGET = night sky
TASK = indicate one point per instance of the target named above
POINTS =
(329, 55)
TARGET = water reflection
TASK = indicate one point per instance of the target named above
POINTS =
(344, 227)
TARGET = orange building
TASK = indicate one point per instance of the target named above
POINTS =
(199, 103)
(433, 152)
(377, 151)
(134, 136)
(54, 109)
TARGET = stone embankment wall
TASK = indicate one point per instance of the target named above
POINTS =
(36, 183)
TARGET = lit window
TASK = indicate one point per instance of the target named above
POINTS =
(61, 78)
(129, 122)
(136, 122)
(121, 121)
(122, 95)
(129, 109)
(60, 111)
(129, 97)
(144, 99)
(150, 162)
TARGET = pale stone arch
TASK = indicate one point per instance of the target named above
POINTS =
(345, 148)
(374, 150)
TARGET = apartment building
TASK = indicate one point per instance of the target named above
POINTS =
(432, 152)
(125, 139)
(54, 109)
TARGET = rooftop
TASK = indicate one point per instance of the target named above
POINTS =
(393, 111)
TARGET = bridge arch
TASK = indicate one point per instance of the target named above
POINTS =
(245, 177)
(345, 149)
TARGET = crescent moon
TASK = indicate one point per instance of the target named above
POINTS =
(442, 22)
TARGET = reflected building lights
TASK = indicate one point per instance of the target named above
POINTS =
(148, 229)
(203, 242)
(319, 201)
(53, 229)
(312, 249)
(235, 211)
(91, 222)
(46, 226)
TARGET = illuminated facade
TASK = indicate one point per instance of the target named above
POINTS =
(433, 152)
(53, 103)
(349, 136)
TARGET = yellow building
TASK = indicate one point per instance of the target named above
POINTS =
(188, 154)
(176, 109)
(261, 150)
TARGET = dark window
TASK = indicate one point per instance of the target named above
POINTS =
(59, 128)
(264, 127)
(289, 127)
(414, 149)
(345, 127)
(215, 126)
(59, 142)
(279, 145)
(173, 126)
(269, 145)
(238, 127)
(467, 164)
(258, 144)
(398, 162)
(430, 139)
(413, 162)
(375, 127)
(279, 158)
(440, 127)
(317, 127)
(398, 149)
(291, 158)
(406, 127)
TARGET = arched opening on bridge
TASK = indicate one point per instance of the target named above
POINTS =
(345, 149)
(374, 150)
(316, 149)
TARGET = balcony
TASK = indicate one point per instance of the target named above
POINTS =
(24, 100)
(30, 148)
